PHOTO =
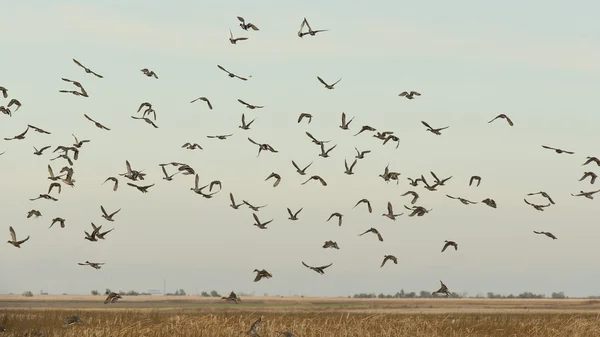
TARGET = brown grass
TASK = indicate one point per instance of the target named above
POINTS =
(362, 318)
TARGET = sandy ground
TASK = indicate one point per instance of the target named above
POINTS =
(309, 304)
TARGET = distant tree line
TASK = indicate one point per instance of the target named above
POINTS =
(427, 294)
(403, 294)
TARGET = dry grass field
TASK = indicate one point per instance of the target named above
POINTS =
(305, 317)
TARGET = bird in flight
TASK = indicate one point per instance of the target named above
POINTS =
(432, 130)
(537, 207)
(250, 106)
(504, 117)
(205, 100)
(230, 74)
(374, 231)
(310, 32)
(366, 201)
(260, 274)
(409, 95)
(338, 215)
(95, 265)
(331, 244)
(443, 290)
(328, 86)
(245, 126)
(294, 216)
(149, 73)
(390, 214)
(589, 195)
(345, 124)
(388, 257)
(98, 125)
(87, 70)
(107, 216)
(475, 178)
(303, 171)
(548, 234)
(448, 244)
(590, 160)
(235, 40)
(543, 194)
(592, 176)
(320, 270)
(559, 151)
(246, 26)
(14, 240)
(261, 225)
(277, 178)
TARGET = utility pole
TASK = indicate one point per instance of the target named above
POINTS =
(164, 286)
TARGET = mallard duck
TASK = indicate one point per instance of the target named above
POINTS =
(87, 70)
(338, 215)
(366, 201)
(448, 244)
(589, 195)
(374, 231)
(230, 74)
(261, 225)
(409, 95)
(95, 265)
(328, 86)
(432, 130)
(348, 170)
(489, 202)
(503, 116)
(559, 151)
(475, 178)
(14, 240)
(548, 234)
(294, 216)
(463, 200)
(235, 40)
(543, 194)
(414, 194)
(232, 297)
(245, 126)
(321, 180)
(303, 171)
(246, 26)
(538, 207)
(106, 215)
(345, 124)
(149, 73)
(320, 270)
(331, 244)
(204, 99)
(390, 214)
(61, 221)
(443, 290)
(388, 257)
(233, 204)
(112, 297)
(277, 178)
(260, 274)
(592, 176)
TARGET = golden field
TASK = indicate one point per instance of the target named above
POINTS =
(154, 316)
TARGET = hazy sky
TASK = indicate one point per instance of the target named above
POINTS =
(536, 61)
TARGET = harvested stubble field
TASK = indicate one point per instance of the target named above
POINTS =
(305, 317)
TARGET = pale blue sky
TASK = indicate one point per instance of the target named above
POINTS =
(471, 60)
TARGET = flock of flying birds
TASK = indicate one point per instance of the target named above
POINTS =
(70, 153)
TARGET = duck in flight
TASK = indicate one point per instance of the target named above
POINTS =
(448, 244)
(87, 70)
(409, 95)
(548, 234)
(328, 86)
(320, 270)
